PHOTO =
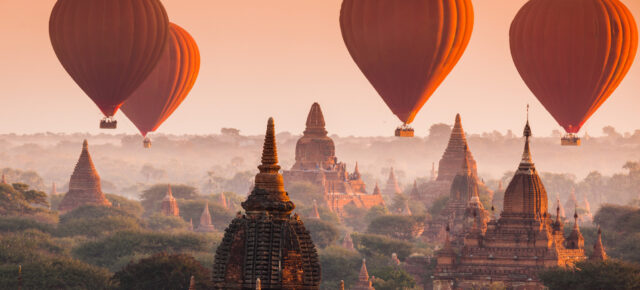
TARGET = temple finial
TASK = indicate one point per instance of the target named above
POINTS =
(315, 121)
(269, 150)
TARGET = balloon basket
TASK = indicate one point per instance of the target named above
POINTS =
(570, 140)
(404, 131)
(108, 123)
(146, 143)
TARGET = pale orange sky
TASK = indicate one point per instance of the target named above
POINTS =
(274, 58)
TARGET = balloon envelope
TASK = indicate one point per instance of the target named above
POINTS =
(573, 54)
(406, 48)
(168, 84)
(108, 47)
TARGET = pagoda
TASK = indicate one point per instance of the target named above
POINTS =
(392, 188)
(598, 253)
(347, 242)
(169, 206)
(205, 225)
(363, 279)
(84, 185)
(515, 247)
(267, 242)
(317, 164)
(463, 209)
(449, 166)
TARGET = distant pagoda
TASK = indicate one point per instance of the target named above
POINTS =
(205, 220)
(317, 164)
(169, 206)
(392, 186)
(84, 185)
(517, 246)
(267, 242)
(449, 166)
(364, 283)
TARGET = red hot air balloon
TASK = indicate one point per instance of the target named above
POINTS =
(108, 47)
(168, 84)
(406, 48)
(573, 54)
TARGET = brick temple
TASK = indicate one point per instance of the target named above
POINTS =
(84, 185)
(316, 163)
(267, 243)
(449, 166)
(517, 245)
(169, 205)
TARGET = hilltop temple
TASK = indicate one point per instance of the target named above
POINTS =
(449, 166)
(169, 205)
(316, 163)
(84, 185)
(513, 248)
(463, 209)
(267, 242)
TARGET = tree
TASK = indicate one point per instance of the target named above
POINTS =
(438, 205)
(150, 172)
(323, 233)
(381, 246)
(163, 271)
(122, 203)
(160, 222)
(304, 192)
(152, 197)
(398, 227)
(18, 199)
(338, 264)
(96, 221)
(439, 132)
(610, 274)
(392, 278)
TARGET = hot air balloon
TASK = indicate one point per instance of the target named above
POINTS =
(573, 54)
(108, 47)
(406, 48)
(168, 84)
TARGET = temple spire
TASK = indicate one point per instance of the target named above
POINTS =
(598, 253)
(223, 201)
(315, 214)
(376, 189)
(268, 195)
(169, 205)
(205, 220)
(315, 121)
(526, 165)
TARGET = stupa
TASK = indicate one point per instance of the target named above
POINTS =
(317, 164)
(364, 283)
(169, 206)
(205, 220)
(84, 185)
(514, 248)
(267, 242)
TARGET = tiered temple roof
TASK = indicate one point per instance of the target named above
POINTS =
(205, 220)
(514, 248)
(267, 242)
(84, 185)
(316, 163)
(363, 279)
(392, 186)
(169, 206)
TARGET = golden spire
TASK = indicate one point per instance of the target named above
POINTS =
(268, 194)
(526, 165)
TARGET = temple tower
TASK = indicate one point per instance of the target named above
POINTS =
(347, 242)
(84, 185)
(169, 206)
(457, 149)
(205, 220)
(363, 279)
(267, 242)
(392, 186)
(315, 149)
(598, 253)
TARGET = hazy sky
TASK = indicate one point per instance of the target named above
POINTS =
(274, 58)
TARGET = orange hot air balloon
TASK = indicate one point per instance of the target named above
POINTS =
(108, 47)
(168, 84)
(406, 48)
(573, 54)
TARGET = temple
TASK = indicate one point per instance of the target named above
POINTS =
(392, 186)
(515, 247)
(84, 185)
(267, 242)
(363, 279)
(449, 166)
(169, 206)
(205, 225)
(317, 164)
(463, 209)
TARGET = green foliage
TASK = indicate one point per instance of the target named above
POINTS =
(398, 203)
(438, 205)
(96, 221)
(18, 199)
(122, 203)
(620, 231)
(163, 271)
(378, 245)
(337, 264)
(323, 233)
(392, 278)
(17, 224)
(31, 178)
(398, 227)
(356, 217)
(152, 197)
(107, 251)
(192, 210)
(304, 192)
(160, 222)
(610, 274)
